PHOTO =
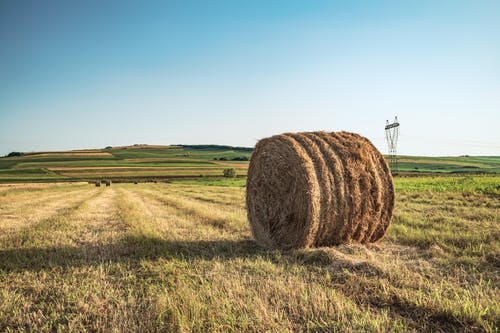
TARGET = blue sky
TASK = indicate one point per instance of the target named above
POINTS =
(88, 74)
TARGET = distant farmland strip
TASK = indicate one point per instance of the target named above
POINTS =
(105, 164)
(28, 177)
(166, 160)
(148, 168)
(69, 154)
(163, 172)
(442, 162)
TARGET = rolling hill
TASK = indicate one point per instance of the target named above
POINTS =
(159, 163)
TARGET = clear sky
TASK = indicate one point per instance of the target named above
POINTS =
(88, 74)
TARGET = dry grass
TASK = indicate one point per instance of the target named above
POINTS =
(20, 210)
(159, 257)
(30, 186)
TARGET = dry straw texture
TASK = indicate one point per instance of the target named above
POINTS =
(318, 189)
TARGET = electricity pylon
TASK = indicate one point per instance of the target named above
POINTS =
(391, 134)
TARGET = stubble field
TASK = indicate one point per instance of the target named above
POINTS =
(180, 257)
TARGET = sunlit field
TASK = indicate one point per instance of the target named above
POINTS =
(180, 257)
(145, 163)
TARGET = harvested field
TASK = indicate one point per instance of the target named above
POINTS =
(162, 257)
(25, 186)
(24, 209)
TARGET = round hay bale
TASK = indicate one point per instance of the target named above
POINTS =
(318, 189)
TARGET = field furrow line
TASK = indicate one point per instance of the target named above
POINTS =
(21, 193)
(47, 222)
(212, 198)
(150, 218)
(97, 220)
(227, 193)
(15, 217)
(22, 206)
(213, 215)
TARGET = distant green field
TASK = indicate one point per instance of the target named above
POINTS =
(472, 164)
(146, 163)
(143, 163)
(483, 184)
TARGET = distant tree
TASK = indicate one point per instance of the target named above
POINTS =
(222, 158)
(215, 158)
(108, 147)
(243, 158)
(15, 153)
(229, 173)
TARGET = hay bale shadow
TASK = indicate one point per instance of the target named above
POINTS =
(339, 259)
(130, 249)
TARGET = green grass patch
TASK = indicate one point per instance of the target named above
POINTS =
(24, 171)
(464, 184)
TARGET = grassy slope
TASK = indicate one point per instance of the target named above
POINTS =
(154, 162)
(177, 257)
(123, 163)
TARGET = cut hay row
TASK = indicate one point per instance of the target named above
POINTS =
(29, 186)
(28, 195)
(98, 220)
(318, 189)
(208, 195)
(209, 214)
(24, 213)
